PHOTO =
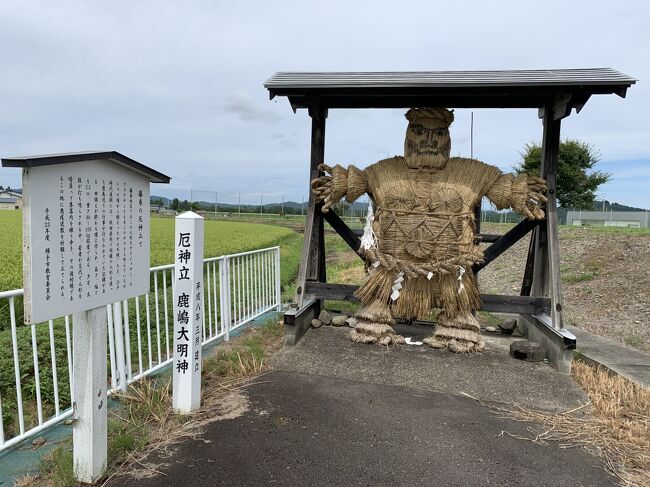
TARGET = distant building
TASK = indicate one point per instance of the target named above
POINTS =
(633, 219)
(10, 200)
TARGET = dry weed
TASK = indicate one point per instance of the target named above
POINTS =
(613, 425)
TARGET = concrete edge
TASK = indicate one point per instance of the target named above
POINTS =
(298, 321)
(559, 347)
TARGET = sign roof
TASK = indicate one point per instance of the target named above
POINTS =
(112, 156)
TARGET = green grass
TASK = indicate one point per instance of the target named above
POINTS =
(488, 319)
(11, 250)
(578, 277)
(637, 232)
(58, 467)
(633, 341)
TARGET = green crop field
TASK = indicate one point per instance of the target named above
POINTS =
(220, 238)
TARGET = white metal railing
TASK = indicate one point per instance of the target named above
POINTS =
(238, 288)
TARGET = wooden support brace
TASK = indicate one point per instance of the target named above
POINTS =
(343, 230)
(530, 264)
(505, 242)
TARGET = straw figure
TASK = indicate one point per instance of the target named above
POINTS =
(420, 243)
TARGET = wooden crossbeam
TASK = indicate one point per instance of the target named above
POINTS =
(490, 302)
(505, 242)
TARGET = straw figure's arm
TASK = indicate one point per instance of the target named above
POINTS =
(523, 193)
(347, 183)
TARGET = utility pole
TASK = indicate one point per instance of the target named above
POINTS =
(471, 136)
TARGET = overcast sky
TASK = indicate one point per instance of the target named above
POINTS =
(178, 85)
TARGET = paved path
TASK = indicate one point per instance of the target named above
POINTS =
(492, 375)
(335, 423)
(627, 362)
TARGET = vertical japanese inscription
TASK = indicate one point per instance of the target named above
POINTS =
(188, 315)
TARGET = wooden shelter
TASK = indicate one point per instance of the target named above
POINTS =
(554, 93)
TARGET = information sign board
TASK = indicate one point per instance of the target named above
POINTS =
(86, 237)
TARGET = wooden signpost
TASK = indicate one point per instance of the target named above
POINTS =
(85, 246)
(188, 312)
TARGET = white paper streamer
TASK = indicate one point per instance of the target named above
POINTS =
(397, 285)
(461, 286)
(369, 239)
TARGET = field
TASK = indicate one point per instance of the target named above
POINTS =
(221, 237)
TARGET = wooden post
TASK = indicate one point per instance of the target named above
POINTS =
(527, 281)
(312, 260)
(546, 274)
(89, 433)
(188, 312)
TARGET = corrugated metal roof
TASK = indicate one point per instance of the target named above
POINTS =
(541, 77)
(451, 89)
(113, 156)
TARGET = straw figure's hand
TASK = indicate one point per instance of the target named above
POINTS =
(528, 195)
(326, 189)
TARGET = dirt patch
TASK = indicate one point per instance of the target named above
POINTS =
(351, 275)
(230, 407)
(343, 258)
(605, 281)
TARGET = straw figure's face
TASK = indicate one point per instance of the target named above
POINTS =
(427, 143)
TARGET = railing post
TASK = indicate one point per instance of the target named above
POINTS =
(120, 365)
(278, 282)
(224, 295)
(228, 300)
(111, 347)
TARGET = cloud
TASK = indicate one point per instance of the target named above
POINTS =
(245, 107)
(179, 85)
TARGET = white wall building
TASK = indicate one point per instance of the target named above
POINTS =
(633, 219)
(10, 200)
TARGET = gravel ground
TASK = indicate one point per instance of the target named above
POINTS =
(605, 280)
